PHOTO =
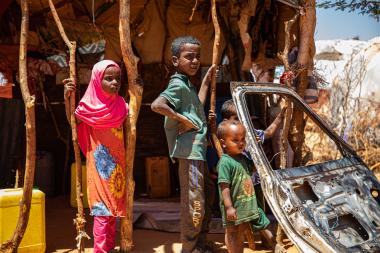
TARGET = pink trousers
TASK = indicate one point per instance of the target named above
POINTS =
(104, 233)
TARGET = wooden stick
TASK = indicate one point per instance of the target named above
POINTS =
(304, 61)
(212, 120)
(307, 29)
(135, 95)
(288, 114)
(284, 55)
(215, 61)
(193, 11)
(80, 220)
(29, 101)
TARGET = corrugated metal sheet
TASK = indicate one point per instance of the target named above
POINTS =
(12, 135)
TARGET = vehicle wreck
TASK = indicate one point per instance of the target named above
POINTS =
(331, 206)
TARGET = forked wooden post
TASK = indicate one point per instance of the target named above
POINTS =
(135, 91)
(215, 61)
(212, 121)
(80, 220)
(29, 101)
(305, 62)
(288, 114)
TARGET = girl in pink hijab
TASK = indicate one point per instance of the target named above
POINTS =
(100, 114)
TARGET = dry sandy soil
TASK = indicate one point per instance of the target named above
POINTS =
(60, 233)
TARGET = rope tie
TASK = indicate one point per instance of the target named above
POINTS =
(79, 225)
(79, 238)
(287, 78)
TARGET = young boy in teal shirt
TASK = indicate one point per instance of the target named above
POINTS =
(186, 129)
(238, 202)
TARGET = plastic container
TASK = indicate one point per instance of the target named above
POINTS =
(44, 178)
(34, 240)
(157, 176)
(73, 195)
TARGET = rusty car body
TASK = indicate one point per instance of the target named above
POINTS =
(333, 206)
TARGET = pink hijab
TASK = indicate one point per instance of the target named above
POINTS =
(97, 108)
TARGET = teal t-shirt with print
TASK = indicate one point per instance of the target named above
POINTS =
(237, 173)
(183, 97)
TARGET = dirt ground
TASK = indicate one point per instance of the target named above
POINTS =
(60, 233)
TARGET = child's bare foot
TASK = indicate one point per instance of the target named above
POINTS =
(269, 241)
(279, 248)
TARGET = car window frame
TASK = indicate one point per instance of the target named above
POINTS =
(239, 90)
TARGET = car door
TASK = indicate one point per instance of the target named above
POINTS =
(332, 205)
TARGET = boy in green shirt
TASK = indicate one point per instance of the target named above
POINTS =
(186, 129)
(238, 199)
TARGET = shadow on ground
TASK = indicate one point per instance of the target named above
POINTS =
(60, 233)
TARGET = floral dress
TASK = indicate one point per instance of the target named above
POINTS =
(106, 172)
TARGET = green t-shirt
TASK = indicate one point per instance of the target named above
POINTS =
(183, 96)
(237, 173)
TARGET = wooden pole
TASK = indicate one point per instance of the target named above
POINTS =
(288, 114)
(135, 91)
(80, 220)
(305, 62)
(212, 120)
(29, 101)
(215, 61)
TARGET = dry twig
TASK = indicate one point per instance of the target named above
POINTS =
(29, 101)
(356, 119)
(80, 220)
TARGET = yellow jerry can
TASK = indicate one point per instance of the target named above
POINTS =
(34, 240)
(73, 195)
(157, 176)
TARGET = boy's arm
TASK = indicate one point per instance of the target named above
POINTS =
(202, 94)
(272, 128)
(254, 174)
(227, 202)
(161, 105)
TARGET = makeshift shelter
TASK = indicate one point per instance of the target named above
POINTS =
(154, 25)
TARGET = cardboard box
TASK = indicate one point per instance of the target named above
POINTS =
(157, 176)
